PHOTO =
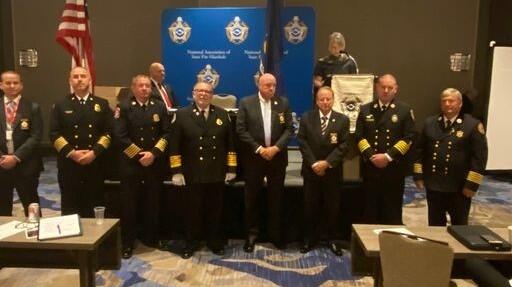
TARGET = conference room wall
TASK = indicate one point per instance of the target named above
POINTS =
(411, 39)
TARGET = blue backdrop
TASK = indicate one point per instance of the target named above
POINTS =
(224, 45)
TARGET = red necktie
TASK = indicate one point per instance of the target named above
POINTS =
(10, 111)
(167, 101)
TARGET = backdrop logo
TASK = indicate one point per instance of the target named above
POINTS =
(179, 31)
(237, 31)
(209, 75)
(295, 31)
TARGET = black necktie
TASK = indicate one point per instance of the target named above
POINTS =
(448, 124)
(383, 108)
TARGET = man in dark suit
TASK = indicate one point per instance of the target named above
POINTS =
(159, 90)
(451, 158)
(323, 141)
(384, 132)
(141, 128)
(21, 129)
(80, 127)
(264, 126)
(203, 157)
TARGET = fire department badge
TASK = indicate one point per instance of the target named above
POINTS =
(281, 118)
(481, 128)
(156, 118)
(209, 75)
(334, 138)
(237, 31)
(295, 31)
(394, 118)
(179, 31)
(24, 124)
(459, 134)
(97, 108)
(219, 122)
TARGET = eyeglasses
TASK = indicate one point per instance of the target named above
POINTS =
(198, 91)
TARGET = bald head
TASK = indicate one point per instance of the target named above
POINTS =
(11, 84)
(267, 86)
(157, 72)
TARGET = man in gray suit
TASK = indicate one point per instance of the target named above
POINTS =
(264, 125)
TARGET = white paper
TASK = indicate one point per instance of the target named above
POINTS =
(60, 226)
(398, 229)
(9, 228)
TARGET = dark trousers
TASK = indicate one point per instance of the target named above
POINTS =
(456, 204)
(140, 196)
(383, 200)
(204, 213)
(322, 207)
(82, 187)
(26, 186)
(255, 171)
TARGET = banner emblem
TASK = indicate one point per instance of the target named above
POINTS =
(295, 31)
(237, 31)
(179, 31)
(209, 75)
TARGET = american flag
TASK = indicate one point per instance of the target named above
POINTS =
(74, 35)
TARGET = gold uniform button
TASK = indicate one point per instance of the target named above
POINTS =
(76, 147)
(90, 146)
(214, 147)
(90, 126)
(90, 136)
(376, 143)
(200, 148)
(387, 144)
(445, 173)
(434, 158)
(436, 145)
(152, 128)
(449, 143)
(448, 156)
(213, 137)
(141, 128)
(387, 137)
(200, 138)
(376, 131)
(213, 157)
(76, 126)
(152, 139)
(435, 153)
(433, 166)
(141, 139)
(376, 137)
(449, 147)
(76, 136)
(387, 131)
(447, 160)
(433, 170)
(201, 158)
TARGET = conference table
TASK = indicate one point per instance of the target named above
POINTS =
(99, 247)
(365, 250)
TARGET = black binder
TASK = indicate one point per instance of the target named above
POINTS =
(471, 237)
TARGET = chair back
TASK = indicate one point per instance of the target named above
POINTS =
(224, 101)
(409, 260)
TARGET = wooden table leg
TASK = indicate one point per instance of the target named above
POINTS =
(87, 269)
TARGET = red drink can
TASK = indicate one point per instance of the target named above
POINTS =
(33, 212)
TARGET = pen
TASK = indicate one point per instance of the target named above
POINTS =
(58, 228)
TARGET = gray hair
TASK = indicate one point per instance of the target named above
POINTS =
(338, 38)
(451, 92)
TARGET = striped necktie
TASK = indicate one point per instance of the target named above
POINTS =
(323, 125)
(10, 111)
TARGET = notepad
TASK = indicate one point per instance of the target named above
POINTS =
(9, 228)
(59, 227)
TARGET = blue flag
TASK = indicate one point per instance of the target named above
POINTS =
(273, 45)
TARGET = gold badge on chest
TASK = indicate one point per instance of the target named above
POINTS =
(394, 118)
(281, 118)
(97, 108)
(218, 122)
(459, 134)
(334, 138)
(156, 118)
(24, 124)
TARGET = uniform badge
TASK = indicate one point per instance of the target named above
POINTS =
(281, 118)
(218, 122)
(295, 30)
(156, 118)
(369, 118)
(117, 113)
(179, 31)
(237, 31)
(68, 112)
(209, 75)
(480, 128)
(24, 124)
(97, 108)
(334, 138)
(459, 134)
(394, 118)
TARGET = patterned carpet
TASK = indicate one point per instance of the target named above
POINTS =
(265, 267)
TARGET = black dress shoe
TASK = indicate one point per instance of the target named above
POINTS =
(305, 248)
(249, 246)
(187, 252)
(127, 253)
(336, 248)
